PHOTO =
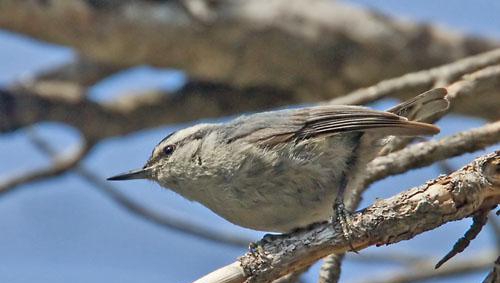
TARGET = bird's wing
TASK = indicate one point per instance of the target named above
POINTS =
(273, 128)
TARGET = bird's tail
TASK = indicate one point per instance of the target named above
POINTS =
(423, 106)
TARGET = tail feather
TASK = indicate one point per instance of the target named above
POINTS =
(422, 106)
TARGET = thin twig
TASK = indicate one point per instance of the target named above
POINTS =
(478, 222)
(61, 164)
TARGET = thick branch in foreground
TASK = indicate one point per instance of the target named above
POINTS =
(447, 198)
(416, 156)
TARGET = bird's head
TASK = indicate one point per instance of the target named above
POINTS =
(173, 159)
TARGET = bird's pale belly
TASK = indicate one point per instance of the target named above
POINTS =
(279, 213)
(279, 199)
(277, 192)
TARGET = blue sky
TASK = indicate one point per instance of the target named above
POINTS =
(64, 230)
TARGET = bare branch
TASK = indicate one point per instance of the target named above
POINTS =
(21, 107)
(420, 81)
(426, 153)
(319, 48)
(425, 270)
(61, 165)
(293, 277)
(478, 222)
(447, 198)
(476, 92)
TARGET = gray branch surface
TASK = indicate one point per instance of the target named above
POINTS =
(401, 217)
(321, 48)
(25, 105)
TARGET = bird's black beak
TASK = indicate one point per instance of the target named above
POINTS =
(134, 174)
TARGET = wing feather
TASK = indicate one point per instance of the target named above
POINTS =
(273, 128)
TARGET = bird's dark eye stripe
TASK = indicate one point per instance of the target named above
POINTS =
(169, 149)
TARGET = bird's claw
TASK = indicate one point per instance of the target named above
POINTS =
(344, 217)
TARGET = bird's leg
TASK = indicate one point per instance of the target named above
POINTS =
(341, 214)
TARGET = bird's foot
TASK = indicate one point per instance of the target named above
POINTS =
(344, 217)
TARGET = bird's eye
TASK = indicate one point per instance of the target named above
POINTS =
(169, 149)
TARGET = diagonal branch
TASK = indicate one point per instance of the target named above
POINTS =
(61, 164)
(447, 198)
(478, 222)
(426, 153)
(425, 270)
(419, 81)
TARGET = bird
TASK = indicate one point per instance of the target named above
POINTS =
(278, 171)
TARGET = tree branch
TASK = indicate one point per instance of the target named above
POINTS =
(426, 153)
(61, 164)
(81, 71)
(474, 92)
(425, 270)
(447, 198)
(321, 48)
(418, 82)
(21, 106)
(472, 81)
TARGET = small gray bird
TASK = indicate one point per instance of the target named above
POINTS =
(281, 170)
